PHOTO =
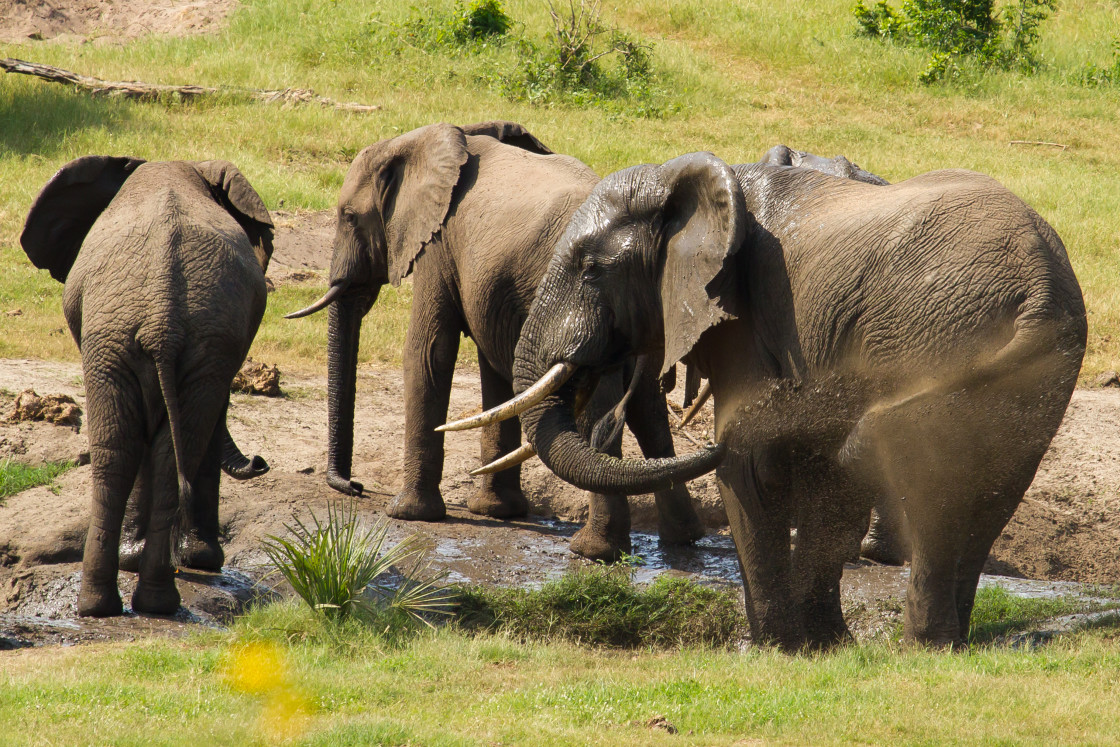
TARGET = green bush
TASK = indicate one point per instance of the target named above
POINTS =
(601, 606)
(953, 30)
(1094, 75)
(339, 570)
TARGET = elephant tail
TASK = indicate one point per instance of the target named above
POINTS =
(166, 374)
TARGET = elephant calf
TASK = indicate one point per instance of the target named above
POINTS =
(164, 271)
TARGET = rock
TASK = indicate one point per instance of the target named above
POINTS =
(1108, 378)
(257, 378)
(306, 471)
(660, 722)
(59, 409)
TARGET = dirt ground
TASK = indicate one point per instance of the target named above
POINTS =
(1067, 528)
(107, 21)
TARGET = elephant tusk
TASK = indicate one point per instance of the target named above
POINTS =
(512, 459)
(548, 384)
(701, 398)
(328, 298)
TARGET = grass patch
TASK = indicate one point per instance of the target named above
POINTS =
(16, 477)
(600, 606)
(998, 612)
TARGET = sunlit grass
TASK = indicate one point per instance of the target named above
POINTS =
(16, 477)
(747, 74)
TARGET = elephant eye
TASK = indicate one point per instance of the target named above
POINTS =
(591, 272)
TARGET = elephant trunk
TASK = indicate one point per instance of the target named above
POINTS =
(237, 465)
(551, 428)
(344, 329)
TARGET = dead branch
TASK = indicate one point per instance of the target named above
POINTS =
(153, 91)
(1038, 142)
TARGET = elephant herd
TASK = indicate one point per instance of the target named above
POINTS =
(909, 347)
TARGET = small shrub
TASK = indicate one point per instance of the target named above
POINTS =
(954, 30)
(339, 570)
(468, 26)
(601, 606)
(1094, 75)
(16, 477)
(480, 19)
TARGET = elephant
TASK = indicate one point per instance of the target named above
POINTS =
(472, 213)
(782, 155)
(920, 340)
(163, 265)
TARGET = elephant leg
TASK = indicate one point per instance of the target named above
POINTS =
(887, 539)
(606, 534)
(500, 494)
(755, 490)
(198, 537)
(136, 517)
(430, 350)
(832, 517)
(117, 436)
(648, 419)
(155, 592)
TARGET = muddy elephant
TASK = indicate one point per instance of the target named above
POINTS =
(472, 213)
(920, 340)
(163, 265)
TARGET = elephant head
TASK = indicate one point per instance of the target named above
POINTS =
(67, 207)
(781, 155)
(394, 201)
(647, 265)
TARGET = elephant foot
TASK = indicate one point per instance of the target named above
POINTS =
(881, 550)
(97, 601)
(130, 555)
(592, 545)
(503, 503)
(412, 504)
(156, 599)
(677, 520)
(201, 554)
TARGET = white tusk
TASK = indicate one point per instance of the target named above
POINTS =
(548, 384)
(701, 398)
(512, 459)
(328, 298)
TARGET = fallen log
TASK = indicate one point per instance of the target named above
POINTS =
(132, 89)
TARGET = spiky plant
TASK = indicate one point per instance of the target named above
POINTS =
(339, 569)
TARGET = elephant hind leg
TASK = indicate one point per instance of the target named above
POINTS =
(155, 592)
(500, 495)
(198, 545)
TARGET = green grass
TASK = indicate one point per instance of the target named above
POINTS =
(600, 606)
(278, 674)
(746, 75)
(16, 477)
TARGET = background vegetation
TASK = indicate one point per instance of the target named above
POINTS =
(732, 77)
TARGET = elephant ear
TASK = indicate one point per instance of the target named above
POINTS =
(704, 224)
(67, 207)
(510, 133)
(233, 191)
(418, 180)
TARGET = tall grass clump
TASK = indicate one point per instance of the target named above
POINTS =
(601, 606)
(16, 477)
(955, 30)
(343, 571)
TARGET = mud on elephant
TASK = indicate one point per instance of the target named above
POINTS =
(163, 265)
(472, 214)
(920, 340)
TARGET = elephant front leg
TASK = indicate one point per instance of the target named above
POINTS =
(648, 419)
(500, 494)
(429, 364)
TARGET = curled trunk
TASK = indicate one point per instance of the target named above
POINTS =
(237, 465)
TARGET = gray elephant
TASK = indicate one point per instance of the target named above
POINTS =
(921, 340)
(472, 213)
(164, 271)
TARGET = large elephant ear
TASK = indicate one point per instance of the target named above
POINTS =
(67, 207)
(237, 196)
(419, 178)
(705, 221)
(510, 133)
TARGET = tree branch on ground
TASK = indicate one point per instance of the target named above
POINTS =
(155, 91)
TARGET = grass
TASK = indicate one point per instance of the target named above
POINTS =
(277, 675)
(746, 75)
(16, 477)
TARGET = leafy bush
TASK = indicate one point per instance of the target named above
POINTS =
(1094, 75)
(339, 570)
(956, 29)
(468, 25)
(601, 606)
